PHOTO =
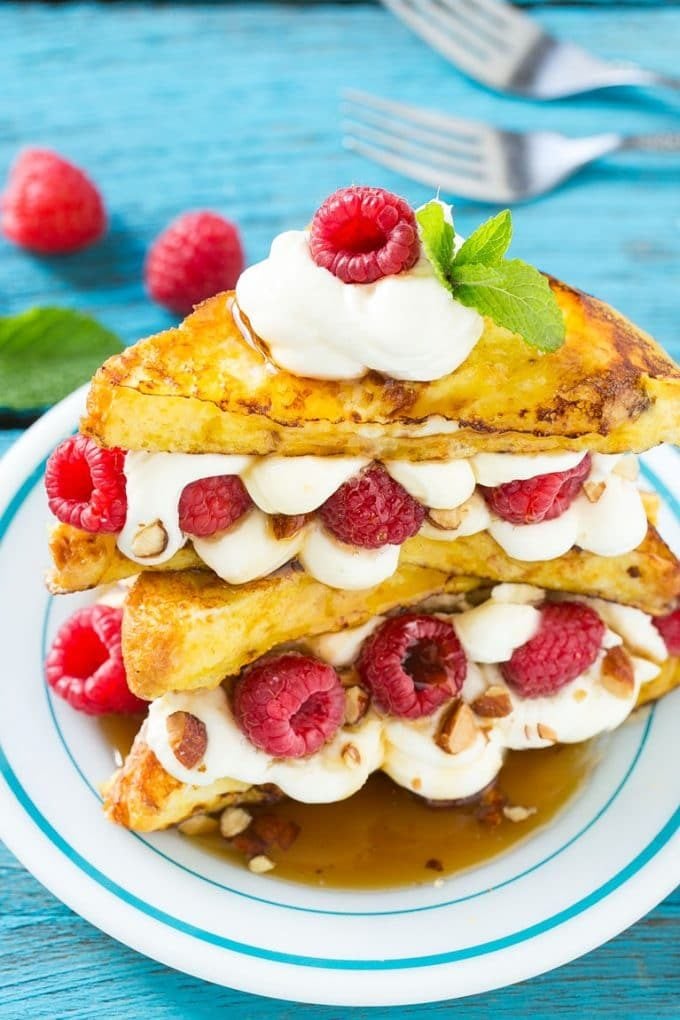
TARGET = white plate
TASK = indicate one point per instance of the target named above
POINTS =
(609, 857)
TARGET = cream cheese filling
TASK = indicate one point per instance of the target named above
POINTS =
(612, 525)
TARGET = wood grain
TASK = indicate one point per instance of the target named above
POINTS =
(236, 108)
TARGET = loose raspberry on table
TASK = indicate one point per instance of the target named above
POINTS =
(289, 705)
(669, 629)
(362, 234)
(568, 641)
(372, 510)
(537, 499)
(50, 206)
(85, 663)
(85, 485)
(198, 255)
(212, 504)
(412, 665)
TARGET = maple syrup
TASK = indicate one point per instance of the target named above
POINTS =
(385, 836)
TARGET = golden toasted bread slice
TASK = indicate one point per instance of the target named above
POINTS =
(648, 577)
(189, 630)
(203, 387)
(143, 796)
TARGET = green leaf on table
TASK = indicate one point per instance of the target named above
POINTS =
(515, 295)
(47, 352)
(489, 243)
(436, 236)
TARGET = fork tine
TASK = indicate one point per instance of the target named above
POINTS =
(461, 148)
(398, 143)
(465, 130)
(443, 43)
(434, 177)
(394, 129)
(467, 23)
(498, 16)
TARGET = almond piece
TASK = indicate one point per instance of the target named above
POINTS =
(517, 813)
(260, 863)
(494, 703)
(357, 701)
(447, 520)
(458, 730)
(287, 525)
(351, 756)
(233, 821)
(188, 738)
(628, 467)
(593, 490)
(616, 674)
(150, 540)
(546, 732)
(199, 825)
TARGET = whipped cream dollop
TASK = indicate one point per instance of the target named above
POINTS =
(612, 525)
(407, 750)
(407, 326)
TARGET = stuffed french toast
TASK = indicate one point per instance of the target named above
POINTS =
(385, 506)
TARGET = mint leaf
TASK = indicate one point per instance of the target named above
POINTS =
(436, 236)
(47, 352)
(489, 243)
(515, 295)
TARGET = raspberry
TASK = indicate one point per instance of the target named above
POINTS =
(212, 504)
(85, 663)
(363, 234)
(290, 705)
(86, 486)
(198, 255)
(669, 629)
(372, 510)
(568, 641)
(537, 499)
(412, 664)
(50, 206)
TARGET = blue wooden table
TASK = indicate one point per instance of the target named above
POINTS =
(235, 107)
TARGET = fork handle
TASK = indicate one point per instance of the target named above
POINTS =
(667, 142)
(629, 74)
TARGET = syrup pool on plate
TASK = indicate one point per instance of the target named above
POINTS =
(385, 837)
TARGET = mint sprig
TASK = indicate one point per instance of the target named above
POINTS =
(47, 352)
(511, 292)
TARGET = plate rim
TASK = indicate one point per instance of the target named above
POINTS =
(644, 879)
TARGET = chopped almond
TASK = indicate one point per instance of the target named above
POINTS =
(188, 738)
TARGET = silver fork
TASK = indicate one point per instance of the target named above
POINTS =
(473, 160)
(498, 45)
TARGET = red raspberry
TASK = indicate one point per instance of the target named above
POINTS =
(669, 629)
(212, 504)
(198, 255)
(412, 664)
(363, 234)
(537, 499)
(372, 510)
(50, 206)
(85, 663)
(86, 486)
(290, 705)
(567, 643)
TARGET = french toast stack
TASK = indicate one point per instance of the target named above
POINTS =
(412, 576)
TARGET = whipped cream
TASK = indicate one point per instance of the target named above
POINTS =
(615, 524)
(315, 325)
(407, 749)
